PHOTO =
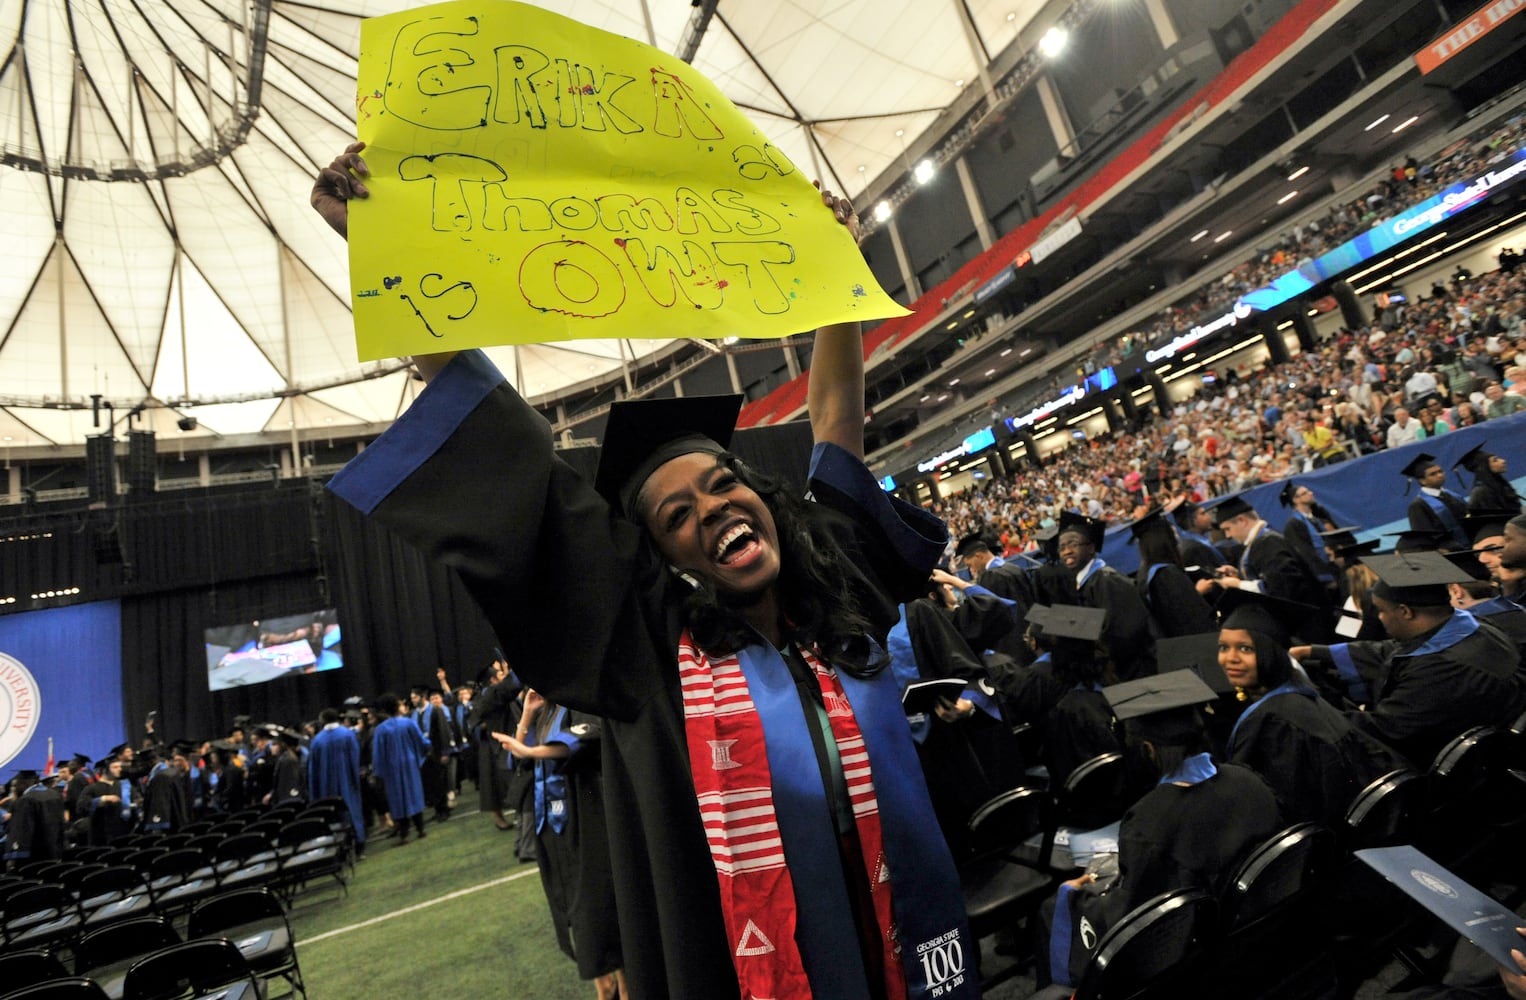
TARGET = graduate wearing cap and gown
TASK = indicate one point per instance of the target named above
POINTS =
(78, 782)
(1358, 615)
(1306, 522)
(288, 782)
(1435, 508)
(1189, 831)
(397, 751)
(1197, 549)
(1492, 493)
(259, 777)
(1082, 578)
(1480, 596)
(333, 769)
(1315, 760)
(1176, 608)
(109, 804)
(1441, 672)
(732, 640)
(36, 828)
(1079, 725)
(1268, 564)
(166, 805)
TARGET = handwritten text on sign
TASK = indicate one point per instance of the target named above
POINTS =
(534, 179)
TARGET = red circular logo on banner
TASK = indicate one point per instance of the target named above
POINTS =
(20, 707)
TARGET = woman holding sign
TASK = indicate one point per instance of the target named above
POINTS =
(771, 835)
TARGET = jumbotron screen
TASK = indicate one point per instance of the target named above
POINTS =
(270, 648)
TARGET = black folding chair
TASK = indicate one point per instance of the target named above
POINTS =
(1094, 793)
(194, 968)
(29, 967)
(106, 954)
(1273, 943)
(247, 859)
(1153, 952)
(180, 878)
(39, 916)
(1000, 888)
(59, 989)
(256, 921)
(310, 851)
(112, 894)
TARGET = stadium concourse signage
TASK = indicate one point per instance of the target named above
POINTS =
(1483, 21)
(977, 442)
(1240, 311)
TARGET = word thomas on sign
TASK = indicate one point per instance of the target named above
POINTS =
(534, 179)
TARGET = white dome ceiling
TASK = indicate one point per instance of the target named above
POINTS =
(155, 159)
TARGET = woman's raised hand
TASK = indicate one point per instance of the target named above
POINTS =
(336, 184)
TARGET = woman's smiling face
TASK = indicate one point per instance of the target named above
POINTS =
(707, 522)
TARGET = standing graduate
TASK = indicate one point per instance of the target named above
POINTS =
(1307, 521)
(166, 804)
(770, 831)
(496, 708)
(1176, 608)
(1268, 564)
(287, 781)
(110, 803)
(1082, 577)
(36, 828)
(333, 770)
(397, 751)
(572, 846)
(1435, 508)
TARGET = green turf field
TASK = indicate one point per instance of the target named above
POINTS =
(484, 942)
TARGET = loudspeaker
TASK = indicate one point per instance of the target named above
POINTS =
(106, 544)
(142, 471)
(101, 467)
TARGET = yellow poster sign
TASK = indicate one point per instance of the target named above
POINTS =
(534, 179)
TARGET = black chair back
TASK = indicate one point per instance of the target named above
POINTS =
(112, 882)
(117, 942)
(243, 846)
(233, 909)
(181, 862)
(1385, 812)
(194, 967)
(76, 876)
(300, 831)
(1466, 766)
(1285, 869)
(1009, 818)
(1094, 793)
(29, 967)
(60, 989)
(1152, 951)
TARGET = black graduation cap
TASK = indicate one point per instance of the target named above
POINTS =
(352, 715)
(970, 543)
(266, 730)
(119, 749)
(1417, 466)
(1285, 496)
(291, 738)
(241, 722)
(1418, 579)
(1160, 693)
(224, 745)
(1475, 459)
(101, 765)
(1420, 539)
(27, 776)
(1272, 616)
(1232, 507)
(1091, 527)
(1048, 539)
(1185, 511)
(80, 760)
(1343, 544)
(1198, 653)
(1467, 560)
(642, 434)
(1152, 520)
(1066, 621)
(1481, 524)
(184, 747)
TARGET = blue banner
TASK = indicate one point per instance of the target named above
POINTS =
(1388, 234)
(1369, 493)
(60, 678)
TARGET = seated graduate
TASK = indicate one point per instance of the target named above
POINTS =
(1176, 607)
(1491, 491)
(1480, 597)
(772, 836)
(1441, 672)
(1080, 724)
(1315, 760)
(1358, 615)
(1189, 831)
(1435, 508)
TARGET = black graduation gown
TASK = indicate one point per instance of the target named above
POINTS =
(77, 785)
(288, 784)
(494, 709)
(1205, 557)
(1274, 563)
(588, 614)
(165, 805)
(1191, 837)
(259, 779)
(1311, 755)
(1176, 608)
(1491, 493)
(1309, 546)
(1078, 728)
(1002, 624)
(107, 823)
(36, 830)
(1126, 630)
(1423, 518)
(436, 729)
(1435, 686)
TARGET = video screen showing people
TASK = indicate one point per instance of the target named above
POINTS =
(268, 648)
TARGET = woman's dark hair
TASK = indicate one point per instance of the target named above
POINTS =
(818, 609)
(1158, 546)
(1173, 736)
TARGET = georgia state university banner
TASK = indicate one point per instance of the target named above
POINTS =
(60, 679)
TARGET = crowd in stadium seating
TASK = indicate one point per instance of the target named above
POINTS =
(1453, 358)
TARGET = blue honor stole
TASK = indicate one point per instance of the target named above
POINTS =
(1324, 570)
(551, 783)
(936, 950)
(1447, 518)
(1217, 553)
(1091, 571)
